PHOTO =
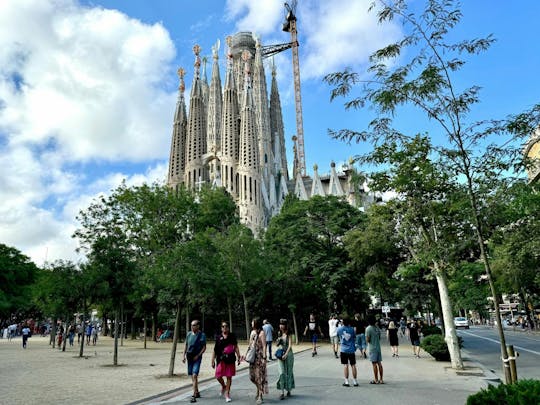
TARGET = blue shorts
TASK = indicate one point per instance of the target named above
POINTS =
(193, 367)
(360, 341)
(416, 342)
(314, 338)
(375, 356)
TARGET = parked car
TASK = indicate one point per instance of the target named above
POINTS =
(461, 322)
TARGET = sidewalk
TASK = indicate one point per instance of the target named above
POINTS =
(40, 374)
(408, 380)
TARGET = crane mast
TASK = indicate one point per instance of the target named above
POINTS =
(297, 98)
(290, 26)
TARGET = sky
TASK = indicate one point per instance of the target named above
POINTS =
(88, 90)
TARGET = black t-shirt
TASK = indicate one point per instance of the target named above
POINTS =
(413, 331)
(360, 326)
(222, 343)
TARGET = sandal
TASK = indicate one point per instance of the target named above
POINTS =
(373, 382)
(381, 382)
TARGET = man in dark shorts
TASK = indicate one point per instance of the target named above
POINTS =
(414, 335)
(347, 338)
(314, 330)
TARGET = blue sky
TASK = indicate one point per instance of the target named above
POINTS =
(88, 90)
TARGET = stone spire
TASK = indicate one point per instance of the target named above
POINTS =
(334, 188)
(215, 102)
(316, 186)
(276, 126)
(250, 203)
(230, 128)
(260, 96)
(204, 80)
(195, 171)
(177, 163)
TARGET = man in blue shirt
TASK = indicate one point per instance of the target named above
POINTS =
(195, 347)
(269, 332)
(347, 339)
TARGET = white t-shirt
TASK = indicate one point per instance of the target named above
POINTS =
(332, 327)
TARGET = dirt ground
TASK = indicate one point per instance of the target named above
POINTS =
(40, 374)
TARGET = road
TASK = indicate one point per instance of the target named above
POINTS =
(483, 346)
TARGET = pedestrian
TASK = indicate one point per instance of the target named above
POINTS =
(257, 369)
(402, 326)
(392, 335)
(269, 333)
(79, 333)
(88, 333)
(286, 360)
(360, 330)
(333, 324)
(224, 357)
(94, 335)
(193, 351)
(413, 330)
(71, 334)
(314, 330)
(347, 339)
(25, 335)
(373, 339)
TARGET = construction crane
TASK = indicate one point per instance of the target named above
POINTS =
(290, 26)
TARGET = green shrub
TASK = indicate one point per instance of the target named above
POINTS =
(524, 392)
(436, 346)
(431, 330)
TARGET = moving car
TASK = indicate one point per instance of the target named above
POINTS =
(461, 322)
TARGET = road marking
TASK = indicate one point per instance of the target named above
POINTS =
(498, 342)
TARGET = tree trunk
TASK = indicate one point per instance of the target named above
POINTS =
(81, 348)
(64, 338)
(230, 313)
(246, 316)
(122, 325)
(295, 326)
(116, 331)
(154, 321)
(53, 334)
(144, 331)
(450, 334)
(133, 332)
(175, 339)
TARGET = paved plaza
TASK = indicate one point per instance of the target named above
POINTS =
(44, 375)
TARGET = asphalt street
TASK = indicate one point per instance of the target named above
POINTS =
(483, 346)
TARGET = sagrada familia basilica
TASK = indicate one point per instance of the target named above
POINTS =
(233, 137)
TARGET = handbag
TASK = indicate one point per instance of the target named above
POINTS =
(279, 353)
(228, 356)
(251, 353)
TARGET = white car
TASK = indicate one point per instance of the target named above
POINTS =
(461, 322)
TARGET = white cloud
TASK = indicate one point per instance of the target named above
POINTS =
(89, 78)
(333, 34)
(79, 87)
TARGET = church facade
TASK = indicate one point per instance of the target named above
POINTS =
(233, 137)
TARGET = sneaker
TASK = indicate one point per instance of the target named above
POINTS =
(228, 399)
(355, 384)
(192, 400)
(346, 384)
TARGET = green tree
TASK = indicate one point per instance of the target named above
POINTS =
(309, 236)
(426, 79)
(17, 274)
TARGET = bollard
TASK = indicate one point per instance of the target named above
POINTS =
(512, 361)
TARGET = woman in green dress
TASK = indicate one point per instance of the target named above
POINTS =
(286, 362)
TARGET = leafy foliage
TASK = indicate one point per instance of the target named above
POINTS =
(17, 274)
(521, 392)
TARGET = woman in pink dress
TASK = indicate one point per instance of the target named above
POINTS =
(224, 357)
